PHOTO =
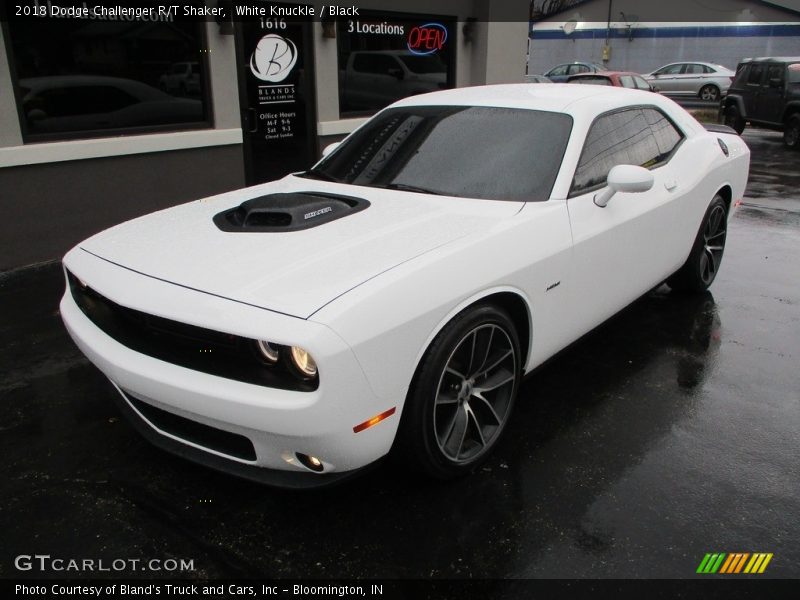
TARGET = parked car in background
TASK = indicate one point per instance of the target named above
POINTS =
(537, 79)
(372, 79)
(707, 81)
(560, 73)
(61, 103)
(625, 79)
(765, 92)
(182, 78)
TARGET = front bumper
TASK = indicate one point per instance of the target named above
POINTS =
(278, 423)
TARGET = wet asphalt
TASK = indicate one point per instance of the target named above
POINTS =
(671, 431)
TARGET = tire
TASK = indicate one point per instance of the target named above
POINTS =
(457, 407)
(709, 92)
(702, 266)
(734, 120)
(791, 133)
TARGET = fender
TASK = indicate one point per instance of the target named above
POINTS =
(734, 100)
(474, 299)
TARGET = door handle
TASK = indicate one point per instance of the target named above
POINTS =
(670, 185)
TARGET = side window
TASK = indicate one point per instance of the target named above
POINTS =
(641, 83)
(643, 137)
(573, 69)
(627, 81)
(560, 70)
(693, 69)
(775, 72)
(756, 72)
(671, 70)
(741, 75)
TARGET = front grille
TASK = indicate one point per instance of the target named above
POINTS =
(205, 350)
(224, 442)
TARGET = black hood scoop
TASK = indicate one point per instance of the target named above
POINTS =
(293, 211)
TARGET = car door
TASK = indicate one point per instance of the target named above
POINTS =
(691, 79)
(558, 74)
(667, 78)
(769, 108)
(626, 248)
(752, 98)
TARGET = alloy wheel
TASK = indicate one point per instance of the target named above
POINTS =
(474, 394)
(713, 244)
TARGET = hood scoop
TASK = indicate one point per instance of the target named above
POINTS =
(294, 211)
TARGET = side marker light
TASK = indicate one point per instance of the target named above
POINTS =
(374, 420)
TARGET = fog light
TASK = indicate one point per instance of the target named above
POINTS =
(310, 462)
(268, 351)
(303, 362)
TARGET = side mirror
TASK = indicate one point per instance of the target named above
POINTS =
(624, 178)
(655, 89)
(397, 73)
(330, 148)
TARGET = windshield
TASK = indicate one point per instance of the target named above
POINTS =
(464, 151)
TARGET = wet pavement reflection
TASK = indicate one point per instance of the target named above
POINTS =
(668, 432)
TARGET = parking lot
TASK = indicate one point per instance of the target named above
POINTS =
(669, 432)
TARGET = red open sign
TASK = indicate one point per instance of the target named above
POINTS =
(427, 39)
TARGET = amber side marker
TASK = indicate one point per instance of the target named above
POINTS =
(374, 420)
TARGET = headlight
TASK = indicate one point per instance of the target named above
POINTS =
(303, 362)
(268, 351)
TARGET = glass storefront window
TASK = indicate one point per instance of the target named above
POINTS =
(384, 57)
(80, 78)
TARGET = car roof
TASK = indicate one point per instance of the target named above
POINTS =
(777, 59)
(581, 101)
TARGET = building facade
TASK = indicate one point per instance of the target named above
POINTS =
(631, 35)
(104, 117)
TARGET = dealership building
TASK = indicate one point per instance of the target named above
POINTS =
(104, 117)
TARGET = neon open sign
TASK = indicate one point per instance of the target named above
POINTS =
(427, 39)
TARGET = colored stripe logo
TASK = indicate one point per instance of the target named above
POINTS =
(734, 563)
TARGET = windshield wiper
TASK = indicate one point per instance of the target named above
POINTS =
(319, 174)
(409, 188)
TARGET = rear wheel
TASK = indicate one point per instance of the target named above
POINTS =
(709, 92)
(700, 269)
(734, 120)
(791, 133)
(462, 394)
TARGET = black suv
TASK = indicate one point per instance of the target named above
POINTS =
(765, 92)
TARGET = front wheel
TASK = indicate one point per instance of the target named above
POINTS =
(462, 394)
(791, 133)
(700, 269)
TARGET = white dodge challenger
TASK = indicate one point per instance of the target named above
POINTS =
(393, 296)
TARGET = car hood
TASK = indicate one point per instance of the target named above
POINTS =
(295, 272)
